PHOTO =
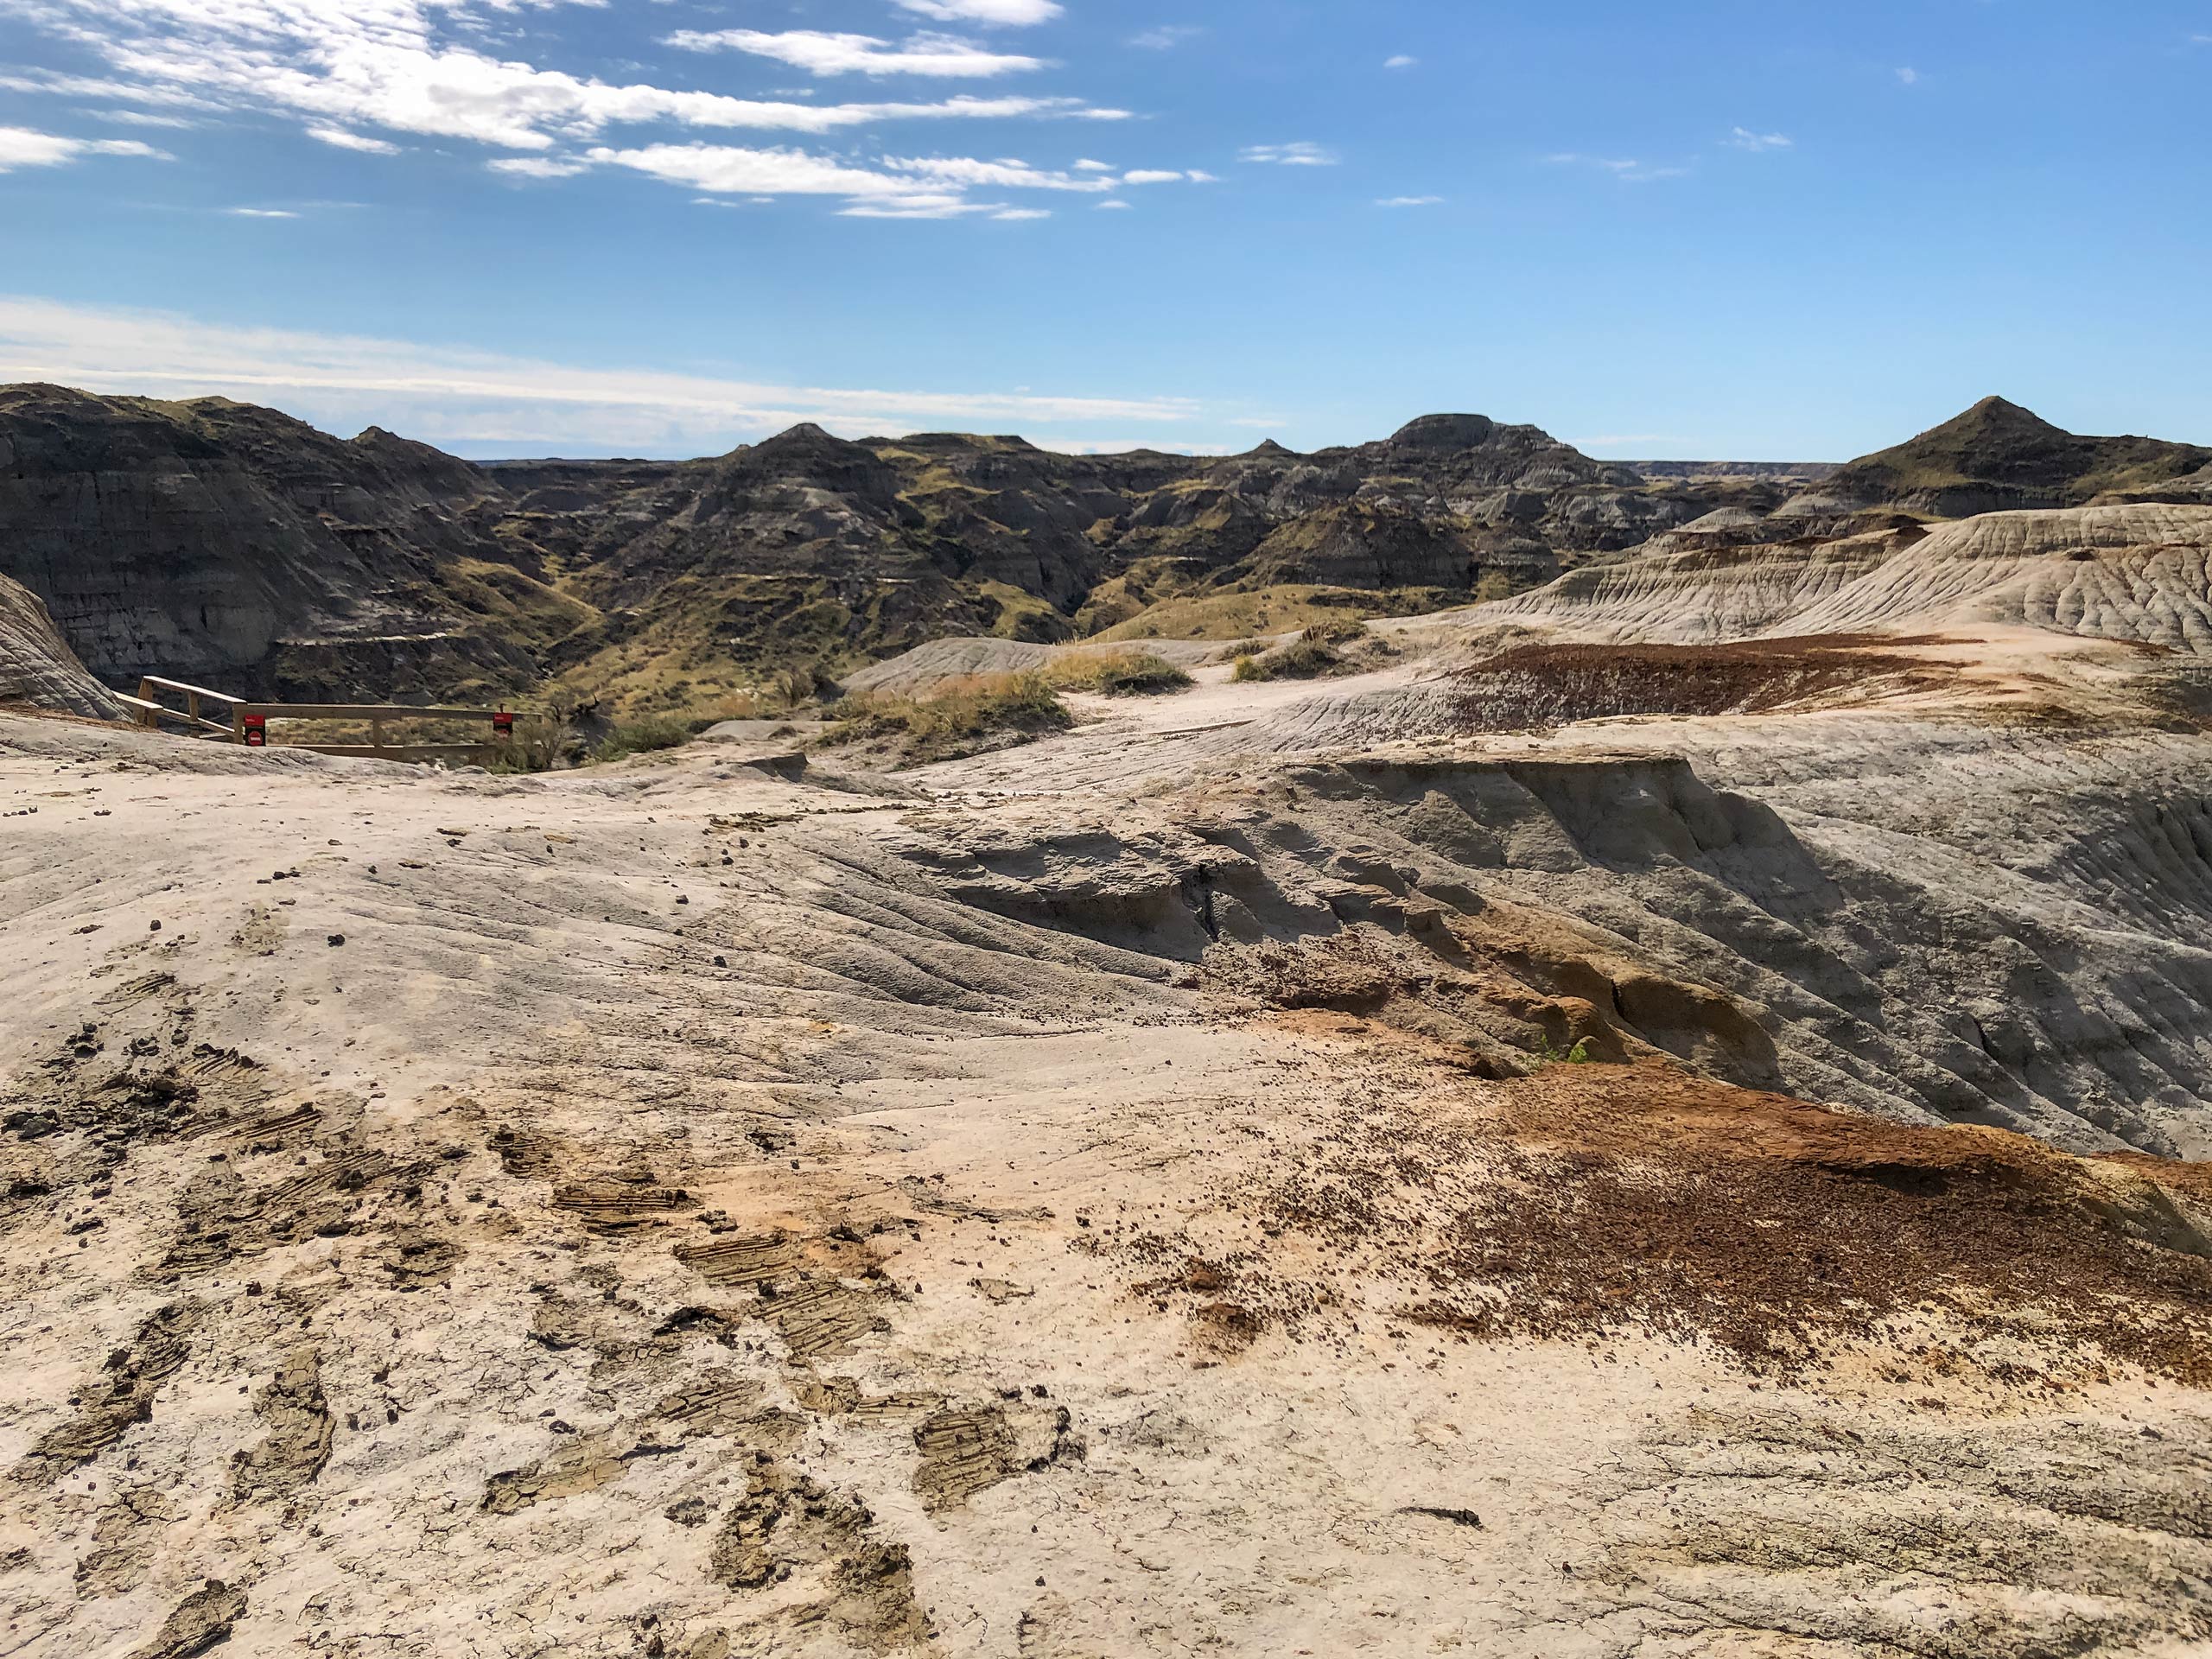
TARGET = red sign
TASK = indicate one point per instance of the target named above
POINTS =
(257, 731)
(503, 725)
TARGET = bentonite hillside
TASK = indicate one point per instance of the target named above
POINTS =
(1657, 1109)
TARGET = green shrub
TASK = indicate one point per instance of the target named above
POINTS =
(649, 733)
(1117, 673)
(1492, 586)
(1304, 659)
(1249, 668)
(957, 718)
(1335, 631)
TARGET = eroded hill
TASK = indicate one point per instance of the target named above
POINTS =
(230, 545)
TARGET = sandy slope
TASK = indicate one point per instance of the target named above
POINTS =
(1087, 1201)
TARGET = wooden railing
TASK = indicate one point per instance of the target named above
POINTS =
(149, 711)
(255, 717)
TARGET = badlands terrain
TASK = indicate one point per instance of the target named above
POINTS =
(1666, 1114)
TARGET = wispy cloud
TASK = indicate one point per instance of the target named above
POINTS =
(22, 146)
(1401, 61)
(1117, 206)
(341, 138)
(1295, 155)
(260, 213)
(939, 55)
(967, 173)
(142, 119)
(1909, 76)
(1409, 201)
(1627, 171)
(1018, 13)
(539, 167)
(1166, 38)
(446, 396)
(1745, 138)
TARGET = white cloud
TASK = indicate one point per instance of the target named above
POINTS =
(1151, 176)
(1010, 213)
(967, 173)
(897, 188)
(22, 146)
(1409, 201)
(1297, 155)
(140, 118)
(1910, 77)
(1167, 38)
(1117, 206)
(919, 208)
(446, 396)
(357, 74)
(1401, 62)
(46, 80)
(260, 213)
(342, 139)
(1628, 171)
(1745, 138)
(840, 54)
(729, 170)
(1019, 14)
(1093, 167)
(384, 64)
(1197, 177)
(537, 167)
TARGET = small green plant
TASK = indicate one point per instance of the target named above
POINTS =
(1578, 1055)
(1249, 668)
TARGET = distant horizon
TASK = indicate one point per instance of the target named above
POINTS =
(496, 452)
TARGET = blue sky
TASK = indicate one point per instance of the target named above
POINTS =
(1751, 229)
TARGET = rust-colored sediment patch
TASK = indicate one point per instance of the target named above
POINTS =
(1589, 1200)
(1539, 685)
